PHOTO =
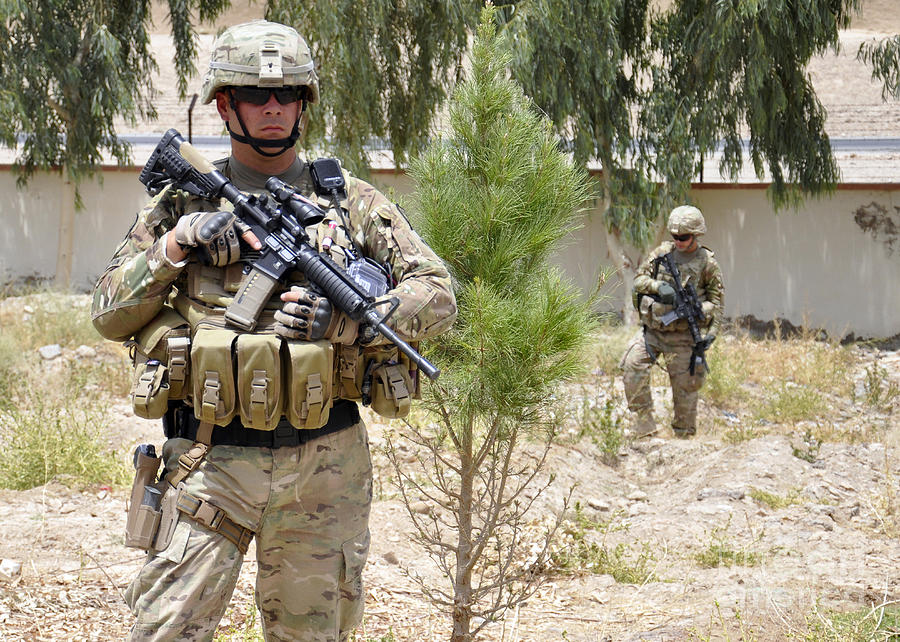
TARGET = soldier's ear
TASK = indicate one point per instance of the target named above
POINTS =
(222, 105)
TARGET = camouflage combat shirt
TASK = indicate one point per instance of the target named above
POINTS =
(140, 278)
(699, 268)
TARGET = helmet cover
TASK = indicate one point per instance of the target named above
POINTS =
(686, 219)
(260, 54)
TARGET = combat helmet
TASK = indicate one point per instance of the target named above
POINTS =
(686, 219)
(261, 54)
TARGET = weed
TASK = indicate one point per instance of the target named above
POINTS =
(788, 402)
(603, 425)
(880, 623)
(720, 553)
(47, 442)
(880, 392)
(579, 555)
(739, 432)
(727, 373)
(776, 501)
(808, 448)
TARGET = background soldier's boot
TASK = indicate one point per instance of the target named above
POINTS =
(643, 426)
(684, 433)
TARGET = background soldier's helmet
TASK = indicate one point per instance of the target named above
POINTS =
(260, 54)
(686, 219)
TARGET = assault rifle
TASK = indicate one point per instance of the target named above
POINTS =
(278, 219)
(687, 306)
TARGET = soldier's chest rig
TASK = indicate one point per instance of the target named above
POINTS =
(651, 309)
(189, 354)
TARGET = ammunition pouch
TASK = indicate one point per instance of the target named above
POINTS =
(160, 361)
(378, 376)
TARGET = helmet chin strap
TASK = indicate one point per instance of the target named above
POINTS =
(258, 143)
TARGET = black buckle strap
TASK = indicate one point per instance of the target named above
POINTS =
(180, 422)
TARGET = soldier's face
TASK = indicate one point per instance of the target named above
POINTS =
(269, 120)
(685, 242)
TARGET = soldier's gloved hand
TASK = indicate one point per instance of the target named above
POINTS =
(309, 316)
(666, 293)
(215, 233)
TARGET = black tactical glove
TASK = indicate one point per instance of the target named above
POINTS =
(666, 293)
(216, 234)
(309, 316)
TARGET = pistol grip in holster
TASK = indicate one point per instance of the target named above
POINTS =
(254, 292)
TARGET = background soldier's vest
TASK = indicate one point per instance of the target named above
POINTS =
(188, 352)
(691, 270)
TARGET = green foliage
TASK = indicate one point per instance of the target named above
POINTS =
(578, 553)
(720, 552)
(807, 448)
(775, 501)
(601, 422)
(880, 623)
(880, 391)
(494, 197)
(602, 47)
(71, 67)
(739, 69)
(884, 58)
(787, 402)
(388, 84)
(45, 442)
(650, 93)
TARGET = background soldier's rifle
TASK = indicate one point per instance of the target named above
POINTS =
(687, 306)
(278, 219)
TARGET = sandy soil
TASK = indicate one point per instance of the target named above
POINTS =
(665, 501)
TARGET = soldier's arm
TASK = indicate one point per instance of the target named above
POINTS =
(423, 285)
(715, 293)
(135, 284)
(644, 283)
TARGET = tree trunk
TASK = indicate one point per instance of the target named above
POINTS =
(626, 269)
(462, 583)
(66, 233)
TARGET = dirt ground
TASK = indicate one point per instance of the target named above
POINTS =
(835, 545)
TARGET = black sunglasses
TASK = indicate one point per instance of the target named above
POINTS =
(682, 237)
(260, 95)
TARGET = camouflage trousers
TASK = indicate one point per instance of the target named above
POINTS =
(638, 359)
(309, 506)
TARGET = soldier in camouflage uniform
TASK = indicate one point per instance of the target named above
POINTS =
(654, 296)
(297, 483)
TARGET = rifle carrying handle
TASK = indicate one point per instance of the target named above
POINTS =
(255, 291)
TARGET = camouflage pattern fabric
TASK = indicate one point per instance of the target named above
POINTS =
(672, 341)
(698, 268)
(237, 60)
(137, 281)
(310, 507)
(676, 348)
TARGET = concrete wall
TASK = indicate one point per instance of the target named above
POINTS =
(833, 264)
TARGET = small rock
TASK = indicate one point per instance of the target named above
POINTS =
(598, 504)
(50, 352)
(391, 558)
(10, 569)
(638, 496)
(85, 352)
